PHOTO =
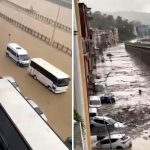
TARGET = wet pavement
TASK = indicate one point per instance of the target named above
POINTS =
(125, 75)
(38, 26)
(57, 107)
(48, 9)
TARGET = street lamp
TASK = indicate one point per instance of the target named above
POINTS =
(55, 24)
(9, 35)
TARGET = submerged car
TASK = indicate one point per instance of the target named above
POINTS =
(13, 82)
(103, 121)
(114, 141)
(36, 108)
(107, 98)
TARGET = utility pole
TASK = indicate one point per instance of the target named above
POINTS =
(55, 24)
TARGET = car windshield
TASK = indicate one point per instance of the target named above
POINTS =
(95, 102)
(24, 57)
(124, 138)
(111, 121)
(63, 82)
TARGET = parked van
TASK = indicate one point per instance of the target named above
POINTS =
(94, 102)
(92, 112)
(18, 54)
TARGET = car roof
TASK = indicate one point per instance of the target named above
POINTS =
(114, 136)
(93, 98)
(17, 48)
(102, 117)
(92, 110)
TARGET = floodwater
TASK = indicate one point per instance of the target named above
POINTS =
(38, 26)
(48, 9)
(125, 75)
(57, 107)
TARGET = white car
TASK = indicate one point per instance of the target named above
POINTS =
(36, 108)
(13, 82)
(118, 141)
(92, 112)
(94, 102)
(102, 121)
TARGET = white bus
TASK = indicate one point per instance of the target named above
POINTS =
(21, 127)
(53, 78)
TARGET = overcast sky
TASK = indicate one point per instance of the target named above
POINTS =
(118, 5)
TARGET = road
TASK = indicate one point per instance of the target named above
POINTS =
(48, 9)
(38, 26)
(57, 107)
(126, 75)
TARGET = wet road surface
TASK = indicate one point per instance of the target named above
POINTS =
(57, 107)
(48, 9)
(38, 26)
(125, 75)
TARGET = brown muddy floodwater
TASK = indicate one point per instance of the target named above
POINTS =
(57, 107)
(38, 26)
(48, 9)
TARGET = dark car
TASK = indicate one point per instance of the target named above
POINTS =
(68, 143)
(107, 100)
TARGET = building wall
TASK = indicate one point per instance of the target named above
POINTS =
(80, 86)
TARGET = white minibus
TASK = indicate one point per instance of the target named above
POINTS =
(18, 54)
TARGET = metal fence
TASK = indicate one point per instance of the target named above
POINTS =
(38, 35)
(39, 17)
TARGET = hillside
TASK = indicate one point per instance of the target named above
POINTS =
(133, 16)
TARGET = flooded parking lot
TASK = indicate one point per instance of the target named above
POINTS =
(125, 75)
(57, 107)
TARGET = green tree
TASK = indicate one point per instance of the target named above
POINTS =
(103, 21)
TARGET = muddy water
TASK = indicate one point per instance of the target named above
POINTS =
(48, 9)
(37, 25)
(56, 107)
(126, 75)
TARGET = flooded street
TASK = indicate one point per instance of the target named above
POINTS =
(48, 9)
(57, 107)
(125, 75)
(38, 26)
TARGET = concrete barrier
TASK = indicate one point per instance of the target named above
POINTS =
(42, 18)
(38, 35)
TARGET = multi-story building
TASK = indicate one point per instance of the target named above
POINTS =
(82, 139)
(88, 44)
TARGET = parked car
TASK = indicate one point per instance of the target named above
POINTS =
(102, 121)
(92, 112)
(68, 143)
(13, 82)
(118, 141)
(94, 102)
(36, 108)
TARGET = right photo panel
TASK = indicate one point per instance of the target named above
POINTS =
(111, 74)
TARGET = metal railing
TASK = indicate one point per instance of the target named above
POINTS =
(38, 35)
(39, 17)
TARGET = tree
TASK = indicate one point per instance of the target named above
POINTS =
(103, 21)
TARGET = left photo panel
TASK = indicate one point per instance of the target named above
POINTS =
(36, 74)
